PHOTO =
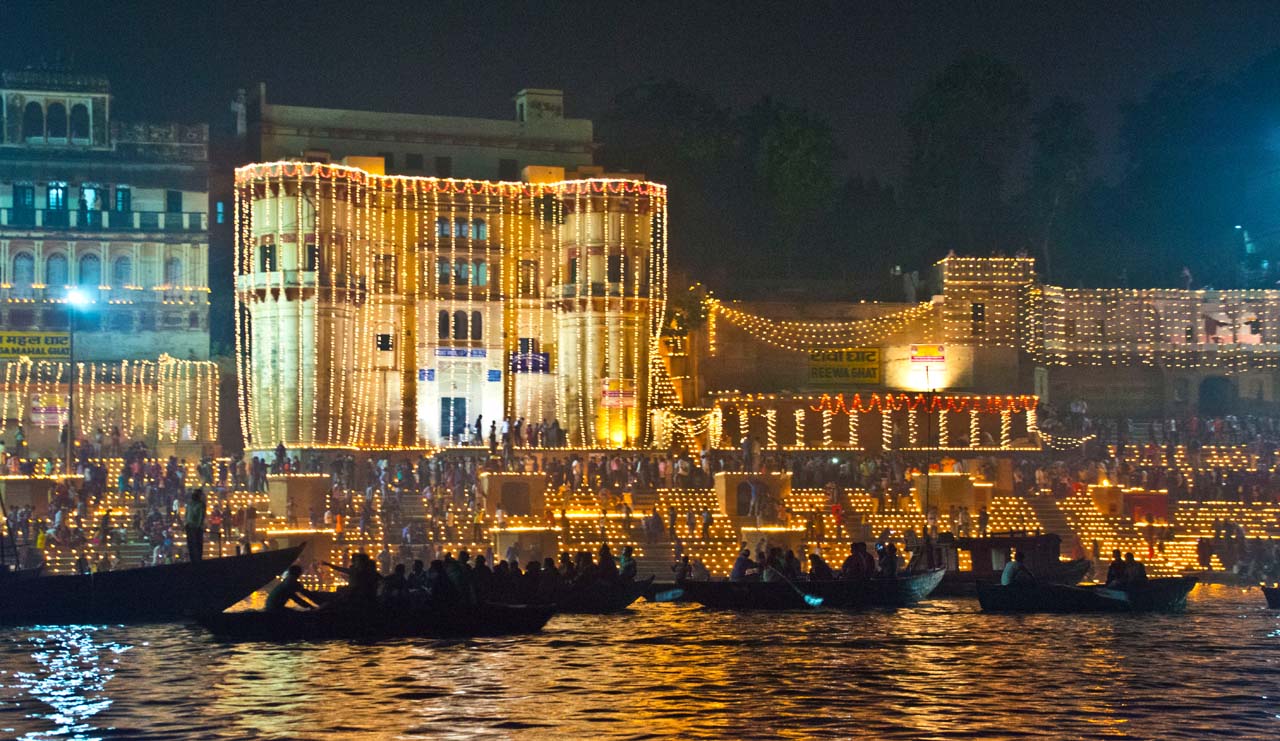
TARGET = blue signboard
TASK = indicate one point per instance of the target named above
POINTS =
(426, 374)
(461, 352)
(495, 375)
(530, 362)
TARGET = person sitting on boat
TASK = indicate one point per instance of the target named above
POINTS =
(628, 570)
(1016, 573)
(698, 571)
(742, 566)
(1116, 571)
(608, 568)
(888, 559)
(418, 576)
(289, 588)
(819, 570)
(362, 579)
(773, 569)
(681, 569)
(394, 587)
(1134, 572)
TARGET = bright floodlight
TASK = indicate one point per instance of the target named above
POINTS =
(77, 298)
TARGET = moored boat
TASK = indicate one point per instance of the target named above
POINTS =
(1273, 597)
(147, 594)
(1163, 594)
(844, 594)
(378, 623)
(601, 596)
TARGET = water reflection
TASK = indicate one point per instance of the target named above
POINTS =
(66, 687)
(944, 670)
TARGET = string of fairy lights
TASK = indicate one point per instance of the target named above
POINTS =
(808, 336)
(579, 267)
(168, 400)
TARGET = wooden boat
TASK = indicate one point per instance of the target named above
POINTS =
(965, 583)
(601, 597)
(343, 623)
(1273, 597)
(148, 594)
(1163, 594)
(852, 594)
(845, 594)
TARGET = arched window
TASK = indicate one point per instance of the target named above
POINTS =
(460, 228)
(442, 272)
(33, 122)
(459, 325)
(90, 271)
(442, 227)
(479, 229)
(461, 273)
(56, 121)
(442, 325)
(477, 326)
(173, 272)
(80, 121)
(55, 270)
(24, 269)
(480, 273)
(122, 272)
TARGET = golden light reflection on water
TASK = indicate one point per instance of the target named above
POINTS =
(942, 670)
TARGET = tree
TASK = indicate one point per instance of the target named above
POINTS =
(793, 155)
(1063, 147)
(964, 132)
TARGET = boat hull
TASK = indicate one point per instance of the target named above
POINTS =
(1164, 595)
(845, 594)
(1273, 597)
(601, 597)
(455, 621)
(149, 594)
(965, 583)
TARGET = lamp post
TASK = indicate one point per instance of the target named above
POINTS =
(76, 300)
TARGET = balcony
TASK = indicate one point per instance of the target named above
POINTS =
(123, 221)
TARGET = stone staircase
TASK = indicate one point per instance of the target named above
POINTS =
(1053, 520)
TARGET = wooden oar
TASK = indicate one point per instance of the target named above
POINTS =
(809, 599)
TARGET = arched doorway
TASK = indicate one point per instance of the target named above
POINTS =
(1217, 397)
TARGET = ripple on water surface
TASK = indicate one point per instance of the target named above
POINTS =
(943, 670)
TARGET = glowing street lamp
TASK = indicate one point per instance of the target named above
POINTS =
(76, 300)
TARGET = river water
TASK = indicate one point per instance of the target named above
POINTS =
(941, 670)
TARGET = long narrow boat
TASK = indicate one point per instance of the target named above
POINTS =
(1156, 595)
(339, 623)
(965, 583)
(148, 594)
(847, 594)
(1273, 597)
(601, 597)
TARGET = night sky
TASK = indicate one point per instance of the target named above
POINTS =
(857, 64)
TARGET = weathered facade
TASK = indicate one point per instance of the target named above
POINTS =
(114, 214)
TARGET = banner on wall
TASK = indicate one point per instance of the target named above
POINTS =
(35, 345)
(49, 410)
(834, 368)
(618, 393)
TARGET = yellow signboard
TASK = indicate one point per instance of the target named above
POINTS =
(38, 345)
(834, 368)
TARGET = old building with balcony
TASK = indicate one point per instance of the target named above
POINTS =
(114, 213)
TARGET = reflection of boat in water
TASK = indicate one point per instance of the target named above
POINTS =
(1155, 595)
(346, 623)
(987, 557)
(1273, 597)
(147, 594)
(847, 594)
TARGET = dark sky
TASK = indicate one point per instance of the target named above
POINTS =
(857, 63)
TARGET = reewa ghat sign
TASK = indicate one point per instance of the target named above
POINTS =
(833, 368)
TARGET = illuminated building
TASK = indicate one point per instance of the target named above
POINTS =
(119, 211)
(379, 311)
(995, 329)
